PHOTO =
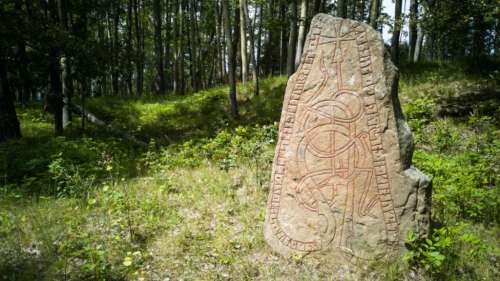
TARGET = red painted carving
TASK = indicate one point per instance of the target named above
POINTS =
(334, 133)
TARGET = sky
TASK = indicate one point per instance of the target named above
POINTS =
(388, 8)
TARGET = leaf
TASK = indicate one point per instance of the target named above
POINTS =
(127, 261)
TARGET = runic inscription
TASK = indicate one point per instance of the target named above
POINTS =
(331, 184)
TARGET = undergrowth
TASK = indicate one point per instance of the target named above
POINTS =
(190, 206)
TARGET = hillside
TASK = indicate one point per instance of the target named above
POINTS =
(191, 205)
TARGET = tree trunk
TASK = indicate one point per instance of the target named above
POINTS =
(54, 98)
(478, 35)
(129, 70)
(255, 75)
(25, 88)
(341, 9)
(160, 76)
(353, 9)
(269, 45)
(220, 46)
(236, 37)
(257, 54)
(418, 44)
(396, 32)
(66, 98)
(64, 67)
(413, 32)
(179, 86)
(116, 48)
(167, 57)
(374, 8)
(9, 124)
(361, 11)
(302, 32)
(420, 37)
(139, 33)
(193, 46)
(292, 39)
(243, 42)
(283, 27)
(317, 6)
(230, 52)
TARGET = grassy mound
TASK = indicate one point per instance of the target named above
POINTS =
(90, 206)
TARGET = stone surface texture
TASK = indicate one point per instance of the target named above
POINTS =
(343, 187)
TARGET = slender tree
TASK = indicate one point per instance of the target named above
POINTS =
(255, 74)
(292, 39)
(128, 47)
(115, 47)
(396, 32)
(341, 9)
(302, 32)
(259, 45)
(168, 41)
(179, 82)
(160, 76)
(55, 98)
(374, 13)
(413, 28)
(243, 42)
(9, 124)
(318, 5)
(420, 37)
(230, 54)
(139, 36)
(64, 66)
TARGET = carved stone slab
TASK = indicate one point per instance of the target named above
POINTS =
(342, 180)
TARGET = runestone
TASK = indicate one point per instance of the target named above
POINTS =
(342, 181)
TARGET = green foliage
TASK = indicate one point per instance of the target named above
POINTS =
(460, 187)
(461, 155)
(419, 115)
(191, 205)
(61, 166)
(455, 252)
(428, 253)
(227, 149)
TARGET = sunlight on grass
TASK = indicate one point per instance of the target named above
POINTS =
(191, 206)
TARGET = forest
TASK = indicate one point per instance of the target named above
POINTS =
(137, 136)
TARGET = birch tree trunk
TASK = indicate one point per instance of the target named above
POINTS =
(420, 37)
(412, 29)
(259, 41)
(418, 44)
(246, 22)
(63, 22)
(302, 32)
(243, 43)
(66, 113)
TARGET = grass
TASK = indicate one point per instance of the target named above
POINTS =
(191, 206)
